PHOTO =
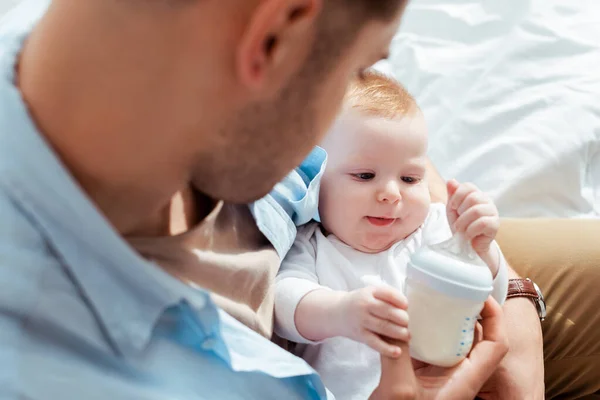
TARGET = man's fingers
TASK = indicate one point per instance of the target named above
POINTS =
(478, 334)
(485, 355)
(398, 380)
(492, 321)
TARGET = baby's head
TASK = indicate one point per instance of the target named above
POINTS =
(374, 191)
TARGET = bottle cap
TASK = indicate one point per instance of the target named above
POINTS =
(452, 268)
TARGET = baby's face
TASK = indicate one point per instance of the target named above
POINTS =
(374, 191)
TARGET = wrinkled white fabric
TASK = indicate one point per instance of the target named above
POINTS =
(511, 92)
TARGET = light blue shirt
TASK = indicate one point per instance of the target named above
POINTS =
(82, 316)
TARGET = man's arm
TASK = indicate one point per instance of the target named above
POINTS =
(521, 373)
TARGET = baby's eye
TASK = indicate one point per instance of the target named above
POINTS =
(410, 179)
(364, 176)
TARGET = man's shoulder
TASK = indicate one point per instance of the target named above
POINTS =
(18, 233)
(24, 257)
(42, 313)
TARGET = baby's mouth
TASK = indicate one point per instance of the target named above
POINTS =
(381, 221)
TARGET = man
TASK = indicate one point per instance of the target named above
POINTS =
(109, 110)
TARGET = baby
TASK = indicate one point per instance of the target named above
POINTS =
(338, 293)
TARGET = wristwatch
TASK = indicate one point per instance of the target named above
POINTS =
(527, 288)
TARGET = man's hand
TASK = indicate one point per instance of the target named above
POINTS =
(367, 314)
(399, 381)
(520, 376)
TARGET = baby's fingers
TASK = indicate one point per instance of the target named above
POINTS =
(375, 342)
(481, 212)
(484, 226)
(391, 296)
(473, 199)
(460, 194)
(387, 328)
(388, 312)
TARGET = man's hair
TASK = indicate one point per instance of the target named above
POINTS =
(339, 24)
(376, 94)
(375, 9)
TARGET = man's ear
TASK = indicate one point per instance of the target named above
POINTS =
(275, 42)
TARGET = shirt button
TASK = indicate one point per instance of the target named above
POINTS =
(209, 343)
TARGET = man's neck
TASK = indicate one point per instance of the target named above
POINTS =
(185, 210)
(106, 117)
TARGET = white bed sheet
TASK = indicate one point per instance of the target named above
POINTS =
(511, 93)
(6, 5)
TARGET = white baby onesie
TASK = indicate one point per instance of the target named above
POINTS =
(351, 370)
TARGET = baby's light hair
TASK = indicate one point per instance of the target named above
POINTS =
(378, 95)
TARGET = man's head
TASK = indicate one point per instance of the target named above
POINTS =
(290, 62)
(374, 191)
(142, 97)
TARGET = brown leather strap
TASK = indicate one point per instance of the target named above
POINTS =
(521, 288)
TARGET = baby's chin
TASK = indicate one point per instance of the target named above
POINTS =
(377, 246)
(371, 244)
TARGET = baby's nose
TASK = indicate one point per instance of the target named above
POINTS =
(390, 193)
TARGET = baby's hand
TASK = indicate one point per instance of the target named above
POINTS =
(473, 214)
(368, 314)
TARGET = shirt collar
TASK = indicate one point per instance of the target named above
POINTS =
(127, 293)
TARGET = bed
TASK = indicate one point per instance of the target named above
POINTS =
(511, 93)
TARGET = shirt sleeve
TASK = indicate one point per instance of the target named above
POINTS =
(293, 202)
(298, 192)
(296, 278)
(500, 290)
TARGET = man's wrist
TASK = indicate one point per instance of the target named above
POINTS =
(527, 289)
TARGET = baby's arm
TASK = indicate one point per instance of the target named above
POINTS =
(306, 312)
(297, 277)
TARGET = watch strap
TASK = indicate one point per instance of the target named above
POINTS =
(522, 288)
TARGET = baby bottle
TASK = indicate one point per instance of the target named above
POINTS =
(446, 286)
